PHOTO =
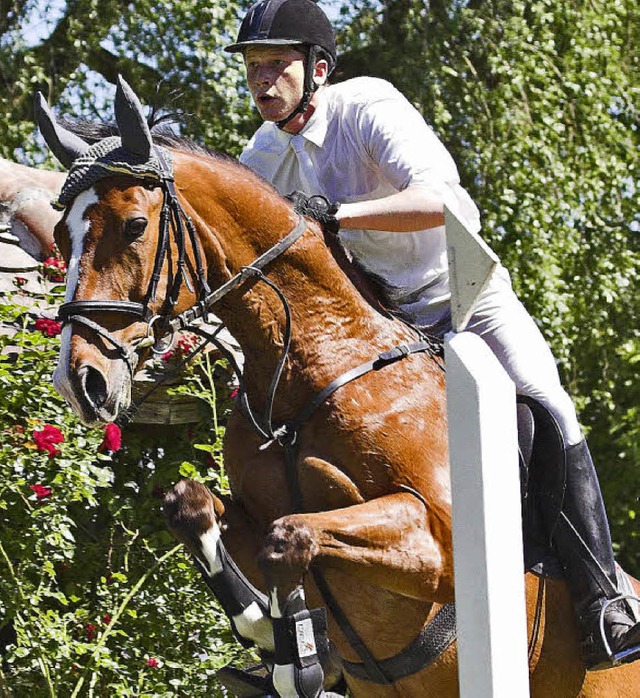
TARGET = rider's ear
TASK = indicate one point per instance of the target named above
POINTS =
(321, 72)
(133, 127)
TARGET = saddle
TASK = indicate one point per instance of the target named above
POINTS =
(542, 481)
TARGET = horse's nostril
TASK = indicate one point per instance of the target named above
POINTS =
(94, 385)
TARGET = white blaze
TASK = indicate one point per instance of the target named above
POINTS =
(78, 228)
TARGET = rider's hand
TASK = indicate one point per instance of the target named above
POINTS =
(317, 207)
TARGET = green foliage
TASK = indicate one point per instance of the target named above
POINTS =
(538, 103)
(170, 53)
(95, 596)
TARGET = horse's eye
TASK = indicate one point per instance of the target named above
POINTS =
(135, 227)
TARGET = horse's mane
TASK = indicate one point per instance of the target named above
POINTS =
(94, 131)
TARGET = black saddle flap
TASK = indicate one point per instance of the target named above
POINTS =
(542, 477)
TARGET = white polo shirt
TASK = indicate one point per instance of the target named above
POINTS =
(366, 141)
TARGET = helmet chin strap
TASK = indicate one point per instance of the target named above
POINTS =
(309, 88)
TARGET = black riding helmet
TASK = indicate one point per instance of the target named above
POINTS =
(290, 23)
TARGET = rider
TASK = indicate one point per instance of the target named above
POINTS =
(362, 144)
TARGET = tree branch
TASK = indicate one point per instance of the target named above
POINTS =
(11, 12)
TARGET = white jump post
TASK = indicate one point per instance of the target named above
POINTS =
(487, 517)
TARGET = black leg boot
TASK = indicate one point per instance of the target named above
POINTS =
(580, 534)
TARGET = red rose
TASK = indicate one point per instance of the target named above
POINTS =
(54, 268)
(112, 441)
(41, 491)
(106, 618)
(183, 347)
(152, 662)
(90, 631)
(48, 327)
(46, 439)
(20, 281)
(186, 344)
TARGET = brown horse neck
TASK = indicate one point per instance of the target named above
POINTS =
(240, 216)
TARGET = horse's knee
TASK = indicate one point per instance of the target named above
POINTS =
(192, 513)
(288, 551)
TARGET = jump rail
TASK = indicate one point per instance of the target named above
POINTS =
(487, 517)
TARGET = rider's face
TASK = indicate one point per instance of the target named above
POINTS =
(275, 75)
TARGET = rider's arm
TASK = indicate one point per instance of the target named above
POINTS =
(415, 208)
(395, 140)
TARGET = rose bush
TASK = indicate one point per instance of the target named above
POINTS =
(96, 598)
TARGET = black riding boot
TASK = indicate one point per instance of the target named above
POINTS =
(582, 539)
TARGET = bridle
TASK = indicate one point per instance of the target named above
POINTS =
(174, 219)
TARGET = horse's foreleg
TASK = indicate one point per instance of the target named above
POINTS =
(392, 542)
(197, 517)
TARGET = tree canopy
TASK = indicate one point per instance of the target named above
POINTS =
(172, 54)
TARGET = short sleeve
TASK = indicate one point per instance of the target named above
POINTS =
(401, 144)
(407, 151)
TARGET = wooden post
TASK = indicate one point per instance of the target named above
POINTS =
(487, 517)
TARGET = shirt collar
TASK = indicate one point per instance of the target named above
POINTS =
(315, 130)
(276, 141)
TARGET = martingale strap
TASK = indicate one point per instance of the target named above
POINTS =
(441, 631)
(287, 432)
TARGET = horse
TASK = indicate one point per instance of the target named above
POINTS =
(25, 193)
(336, 452)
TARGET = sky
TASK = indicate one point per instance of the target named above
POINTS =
(46, 13)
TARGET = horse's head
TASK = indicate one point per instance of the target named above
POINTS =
(117, 203)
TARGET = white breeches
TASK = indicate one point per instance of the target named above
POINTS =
(506, 326)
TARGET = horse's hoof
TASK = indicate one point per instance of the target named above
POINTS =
(288, 551)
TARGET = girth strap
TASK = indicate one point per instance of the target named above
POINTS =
(430, 643)
(370, 666)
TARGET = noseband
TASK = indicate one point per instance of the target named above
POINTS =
(172, 219)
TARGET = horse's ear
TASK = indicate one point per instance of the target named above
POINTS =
(66, 146)
(134, 130)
